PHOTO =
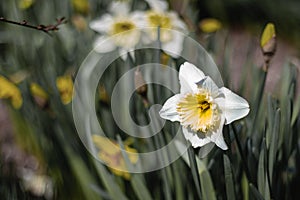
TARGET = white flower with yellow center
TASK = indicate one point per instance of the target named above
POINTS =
(122, 25)
(202, 108)
(159, 16)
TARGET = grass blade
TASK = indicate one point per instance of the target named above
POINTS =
(255, 192)
(207, 188)
(261, 172)
(193, 166)
(230, 192)
(137, 183)
(274, 144)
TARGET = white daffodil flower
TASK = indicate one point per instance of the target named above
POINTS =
(202, 108)
(122, 25)
(159, 16)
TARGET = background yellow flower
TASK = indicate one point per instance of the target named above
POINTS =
(25, 4)
(110, 153)
(210, 25)
(38, 91)
(8, 90)
(65, 87)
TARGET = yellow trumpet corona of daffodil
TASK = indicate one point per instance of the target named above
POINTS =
(110, 153)
(64, 85)
(8, 90)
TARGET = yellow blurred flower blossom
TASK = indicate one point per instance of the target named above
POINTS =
(38, 91)
(39, 95)
(110, 153)
(64, 85)
(210, 25)
(202, 108)
(81, 6)
(25, 4)
(8, 90)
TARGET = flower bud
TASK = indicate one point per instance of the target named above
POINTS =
(140, 84)
(268, 42)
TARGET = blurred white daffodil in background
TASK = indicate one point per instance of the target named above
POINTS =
(159, 16)
(120, 23)
(202, 108)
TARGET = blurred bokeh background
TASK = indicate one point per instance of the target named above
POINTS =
(42, 157)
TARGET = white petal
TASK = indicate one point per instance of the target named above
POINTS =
(124, 53)
(189, 75)
(175, 45)
(104, 44)
(103, 24)
(169, 110)
(119, 8)
(208, 84)
(158, 5)
(131, 52)
(217, 136)
(233, 106)
(127, 39)
(220, 142)
(138, 17)
(194, 138)
(145, 39)
(177, 23)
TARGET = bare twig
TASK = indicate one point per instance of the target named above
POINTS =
(41, 27)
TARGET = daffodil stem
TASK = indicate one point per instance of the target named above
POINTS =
(159, 42)
(158, 142)
(194, 169)
(240, 149)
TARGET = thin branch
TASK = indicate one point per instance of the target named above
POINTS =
(41, 27)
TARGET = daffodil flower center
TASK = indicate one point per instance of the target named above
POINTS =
(159, 19)
(162, 20)
(122, 26)
(197, 111)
